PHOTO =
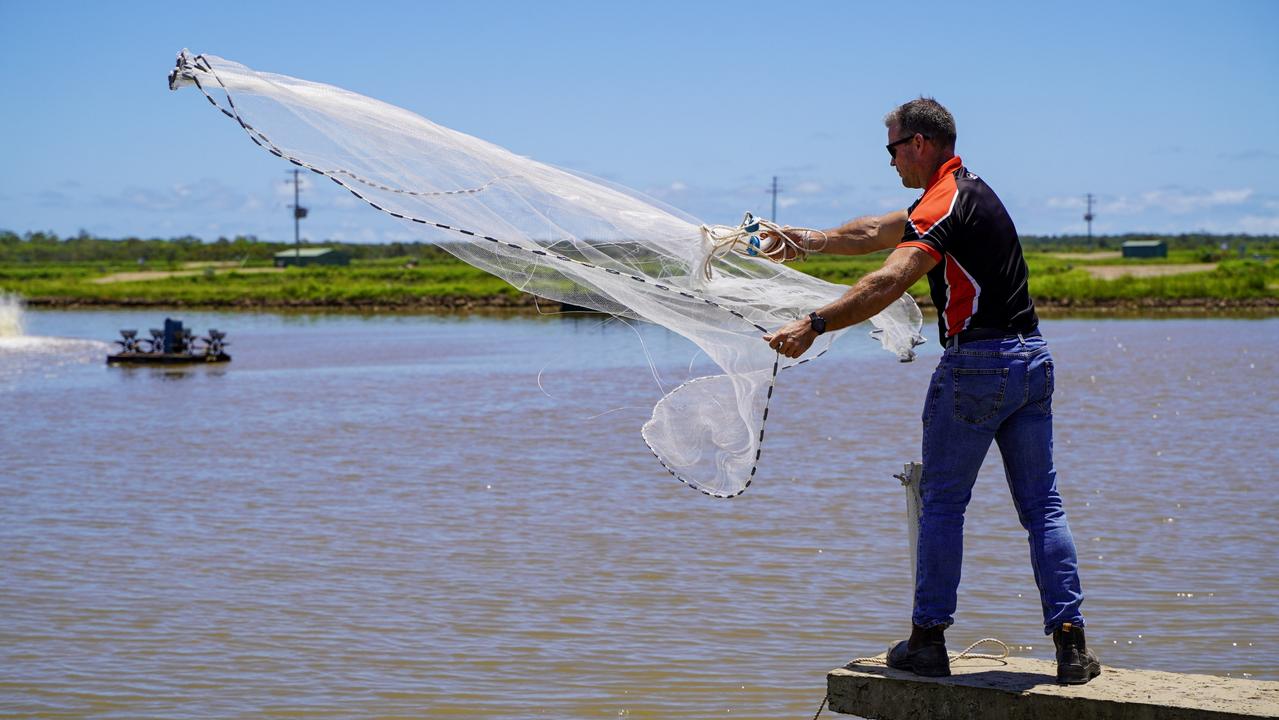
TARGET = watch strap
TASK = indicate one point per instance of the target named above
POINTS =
(817, 322)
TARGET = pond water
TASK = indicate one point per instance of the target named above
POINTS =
(427, 516)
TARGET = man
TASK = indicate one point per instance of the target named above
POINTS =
(994, 381)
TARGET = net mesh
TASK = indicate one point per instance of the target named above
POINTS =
(563, 236)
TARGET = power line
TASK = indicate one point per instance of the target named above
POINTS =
(776, 188)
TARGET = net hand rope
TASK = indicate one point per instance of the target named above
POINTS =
(757, 237)
(566, 237)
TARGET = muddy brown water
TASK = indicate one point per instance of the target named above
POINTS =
(395, 516)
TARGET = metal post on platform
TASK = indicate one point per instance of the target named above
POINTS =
(910, 477)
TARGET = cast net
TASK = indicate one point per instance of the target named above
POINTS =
(566, 237)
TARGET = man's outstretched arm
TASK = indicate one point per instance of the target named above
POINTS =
(855, 237)
(863, 235)
(874, 292)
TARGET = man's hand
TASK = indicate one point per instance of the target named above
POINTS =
(778, 248)
(792, 339)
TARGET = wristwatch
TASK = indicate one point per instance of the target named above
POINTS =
(817, 322)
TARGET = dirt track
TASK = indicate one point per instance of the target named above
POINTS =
(1106, 255)
(1110, 272)
(144, 275)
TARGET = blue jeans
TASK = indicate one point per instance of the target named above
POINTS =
(997, 390)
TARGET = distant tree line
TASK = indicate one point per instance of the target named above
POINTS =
(1185, 241)
(44, 247)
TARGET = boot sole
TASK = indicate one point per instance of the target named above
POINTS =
(922, 672)
(1090, 672)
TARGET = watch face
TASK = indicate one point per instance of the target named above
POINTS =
(817, 322)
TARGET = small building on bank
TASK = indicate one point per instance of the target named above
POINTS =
(1145, 249)
(311, 256)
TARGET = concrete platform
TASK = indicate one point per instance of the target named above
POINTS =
(1025, 689)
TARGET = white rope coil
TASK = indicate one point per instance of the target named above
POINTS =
(757, 237)
(965, 654)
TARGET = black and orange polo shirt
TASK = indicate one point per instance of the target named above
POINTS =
(980, 277)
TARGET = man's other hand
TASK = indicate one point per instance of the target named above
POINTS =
(792, 339)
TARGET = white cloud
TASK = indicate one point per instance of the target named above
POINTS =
(1251, 154)
(53, 198)
(809, 187)
(1068, 202)
(1260, 225)
(1182, 202)
(1174, 201)
(206, 195)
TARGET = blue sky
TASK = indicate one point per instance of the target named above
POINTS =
(1165, 111)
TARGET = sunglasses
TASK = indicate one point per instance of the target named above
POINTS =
(892, 146)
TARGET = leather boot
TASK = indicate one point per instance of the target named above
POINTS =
(1076, 664)
(923, 654)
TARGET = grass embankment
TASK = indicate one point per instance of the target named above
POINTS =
(378, 283)
(1072, 280)
(1231, 282)
(1057, 279)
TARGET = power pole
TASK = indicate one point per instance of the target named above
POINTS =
(299, 212)
(1088, 216)
(774, 189)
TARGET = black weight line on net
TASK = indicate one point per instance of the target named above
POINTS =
(200, 62)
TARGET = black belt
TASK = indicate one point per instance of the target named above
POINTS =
(976, 334)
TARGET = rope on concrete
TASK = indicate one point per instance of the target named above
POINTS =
(965, 654)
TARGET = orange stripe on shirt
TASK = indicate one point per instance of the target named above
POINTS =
(962, 292)
(921, 246)
(938, 199)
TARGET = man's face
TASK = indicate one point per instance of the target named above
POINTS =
(908, 158)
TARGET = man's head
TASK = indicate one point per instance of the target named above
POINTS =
(921, 136)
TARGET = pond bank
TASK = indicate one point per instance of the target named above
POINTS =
(1264, 306)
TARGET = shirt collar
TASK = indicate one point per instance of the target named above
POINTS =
(947, 168)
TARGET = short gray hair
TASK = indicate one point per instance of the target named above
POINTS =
(925, 116)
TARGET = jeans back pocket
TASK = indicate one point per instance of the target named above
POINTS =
(979, 393)
(1045, 403)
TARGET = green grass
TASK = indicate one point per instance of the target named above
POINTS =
(1231, 280)
(372, 283)
(1059, 280)
(387, 282)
